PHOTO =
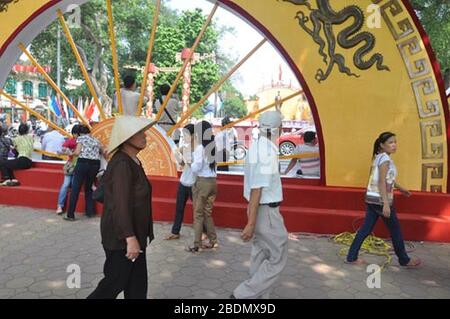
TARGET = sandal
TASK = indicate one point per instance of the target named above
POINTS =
(59, 211)
(210, 245)
(192, 249)
(358, 261)
(413, 263)
(172, 237)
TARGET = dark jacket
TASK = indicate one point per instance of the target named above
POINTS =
(127, 204)
(5, 146)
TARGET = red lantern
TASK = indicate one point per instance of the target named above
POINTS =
(185, 53)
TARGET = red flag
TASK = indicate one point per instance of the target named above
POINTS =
(280, 74)
(89, 110)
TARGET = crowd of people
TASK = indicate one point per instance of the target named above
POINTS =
(127, 224)
(126, 230)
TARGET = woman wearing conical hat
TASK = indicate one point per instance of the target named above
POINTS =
(126, 224)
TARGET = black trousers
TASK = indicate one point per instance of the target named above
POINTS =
(8, 166)
(223, 157)
(85, 172)
(183, 194)
(50, 158)
(121, 274)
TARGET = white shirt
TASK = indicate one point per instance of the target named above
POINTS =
(52, 142)
(130, 101)
(261, 170)
(225, 139)
(255, 133)
(373, 195)
(188, 177)
(200, 166)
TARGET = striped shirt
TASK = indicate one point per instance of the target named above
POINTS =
(309, 166)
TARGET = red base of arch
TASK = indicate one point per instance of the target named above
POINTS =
(308, 207)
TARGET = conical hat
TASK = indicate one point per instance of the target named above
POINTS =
(125, 126)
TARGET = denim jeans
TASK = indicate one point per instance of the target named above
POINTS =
(85, 172)
(183, 194)
(67, 183)
(392, 223)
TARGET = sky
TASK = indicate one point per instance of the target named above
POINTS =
(261, 67)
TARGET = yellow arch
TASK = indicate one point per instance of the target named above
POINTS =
(349, 111)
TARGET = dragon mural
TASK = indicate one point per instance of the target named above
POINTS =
(325, 17)
(5, 3)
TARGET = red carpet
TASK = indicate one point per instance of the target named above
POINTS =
(307, 207)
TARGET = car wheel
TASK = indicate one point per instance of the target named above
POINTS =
(287, 148)
(240, 152)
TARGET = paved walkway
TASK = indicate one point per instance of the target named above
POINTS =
(36, 247)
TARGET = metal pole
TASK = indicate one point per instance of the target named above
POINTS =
(58, 58)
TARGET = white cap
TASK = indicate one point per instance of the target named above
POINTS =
(270, 120)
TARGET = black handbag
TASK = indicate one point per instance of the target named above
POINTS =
(99, 194)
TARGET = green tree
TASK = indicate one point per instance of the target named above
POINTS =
(435, 18)
(233, 101)
(133, 22)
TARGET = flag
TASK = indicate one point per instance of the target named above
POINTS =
(69, 109)
(60, 106)
(280, 73)
(54, 106)
(86, 105)
(89, 111)
(80, 105)
(65, 109)
(95, 114)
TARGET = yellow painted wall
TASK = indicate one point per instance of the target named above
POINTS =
(354, 111)
(17, 14)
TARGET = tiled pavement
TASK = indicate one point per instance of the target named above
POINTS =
(36, 247)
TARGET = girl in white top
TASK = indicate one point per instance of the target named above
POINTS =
(183, 156)
(205, 188)
(380, 202)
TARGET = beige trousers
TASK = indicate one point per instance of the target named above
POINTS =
(203, 196)
(268, 256)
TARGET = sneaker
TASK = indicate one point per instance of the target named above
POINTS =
(70, 219)
(59, 211)
(6, 182)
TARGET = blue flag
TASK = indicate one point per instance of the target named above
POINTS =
(55, 107)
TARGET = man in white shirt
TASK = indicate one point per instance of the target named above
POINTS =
(130, 98)
(225, 141)
(52, 142)
(170, 114)
(263, 191)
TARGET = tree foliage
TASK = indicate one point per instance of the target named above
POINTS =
(233, 101)
(133, 22)
(435, 18)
